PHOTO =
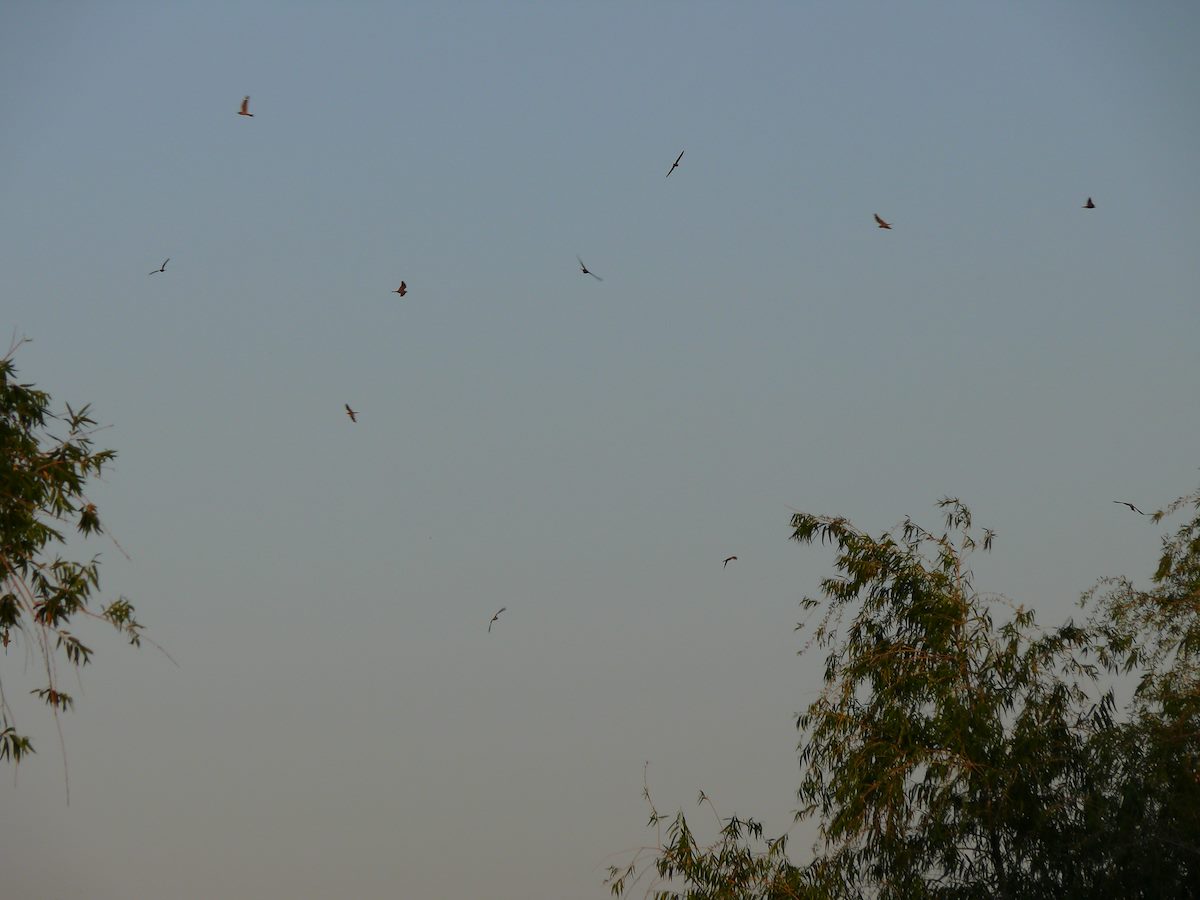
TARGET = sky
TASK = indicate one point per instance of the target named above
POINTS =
(582, 452)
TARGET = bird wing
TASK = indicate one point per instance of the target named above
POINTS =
(879, 220)
(679, 157)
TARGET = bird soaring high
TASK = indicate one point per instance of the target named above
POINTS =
(402, 290)
(586, 271)
(245, 110)
(495, 617)
(1089, 204)
(1130, 505)
(675, 165)
(352, 413)
(161, 268)
(728, 560)
(882, 224)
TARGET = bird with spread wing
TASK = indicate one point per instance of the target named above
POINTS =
(586, 271)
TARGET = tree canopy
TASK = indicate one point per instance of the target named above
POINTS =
(46, 462)
(959, 750)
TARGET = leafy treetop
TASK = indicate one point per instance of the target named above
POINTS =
(46, 460)
(955, 754)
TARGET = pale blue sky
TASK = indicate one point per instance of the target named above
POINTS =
(585, 453)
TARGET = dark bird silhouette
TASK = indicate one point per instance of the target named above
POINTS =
(728, 560)
(161, 268)
(1130, 505)
(675, 165)
(495, 617)
(402, 290)
(352, 413)
(1089, 204)
(245, 110)
(586, 271)
(882, 224)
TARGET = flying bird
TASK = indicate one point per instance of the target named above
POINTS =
(161, 268)
(1130, 505)
(495, 617)
(402, 290)
(245, 110)
(352, 413)
(728, 560)
(675, 165)
(882, 224)
(1089, 204)
(586, 271)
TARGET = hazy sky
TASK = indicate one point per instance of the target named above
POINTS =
(583, 452)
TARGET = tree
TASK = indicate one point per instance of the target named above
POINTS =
(952, 755)
(42, 490)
